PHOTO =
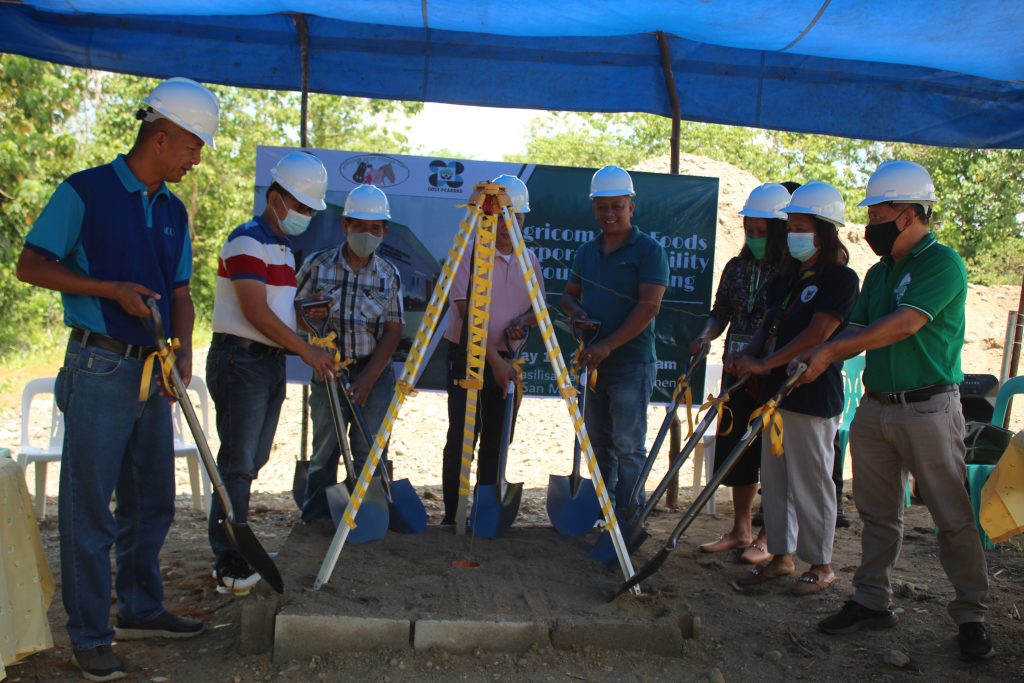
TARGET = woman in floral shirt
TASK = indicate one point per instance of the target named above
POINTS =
(740, 305)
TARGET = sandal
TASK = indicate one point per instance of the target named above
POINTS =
(757, 576)
(810, 583)
(755, 553)
(721, 544)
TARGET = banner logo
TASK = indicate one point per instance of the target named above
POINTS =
(375, 169)
(446, 175)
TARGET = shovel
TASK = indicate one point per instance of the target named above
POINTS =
(572, 501)
(406, 512)
(239, 533)
(704, 496)
(604, 551)
(302, 463)
(373, 515)
(495, 506)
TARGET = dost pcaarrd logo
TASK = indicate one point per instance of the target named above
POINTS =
(445, 176)
(374, 169)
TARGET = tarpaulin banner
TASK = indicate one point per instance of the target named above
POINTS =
(425, 194)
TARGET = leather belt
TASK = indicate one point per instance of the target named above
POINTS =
(912, 396)
(225, 339)
(102, 341)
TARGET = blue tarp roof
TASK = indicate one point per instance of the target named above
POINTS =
(937, 72)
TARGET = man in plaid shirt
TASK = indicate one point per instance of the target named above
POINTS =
(366, 313)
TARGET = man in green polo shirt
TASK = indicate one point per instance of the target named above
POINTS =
(619, 279)
(910, 320)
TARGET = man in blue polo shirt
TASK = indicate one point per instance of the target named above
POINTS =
(110, 237)
(618, 278)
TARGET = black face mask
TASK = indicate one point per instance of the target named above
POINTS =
(881, 237)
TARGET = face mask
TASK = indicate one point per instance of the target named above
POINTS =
(293, 223)
(881, 237)
(363, 243)
(757, 246)
(801, 245)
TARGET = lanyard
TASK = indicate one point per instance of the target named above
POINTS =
(754, 284)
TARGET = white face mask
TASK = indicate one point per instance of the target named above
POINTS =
(801, 245)
(363, 243)
(293, 223)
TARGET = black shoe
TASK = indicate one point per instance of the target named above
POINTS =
(974, 641)
(854, 616)
(235, 577)
(99, 663)
(166, 625)
(758, 518)
(842, 521)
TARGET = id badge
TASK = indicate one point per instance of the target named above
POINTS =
(738, 343)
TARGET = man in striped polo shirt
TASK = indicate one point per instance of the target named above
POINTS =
(365, 292)
(253, 327)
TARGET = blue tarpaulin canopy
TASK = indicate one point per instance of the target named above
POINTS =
(926, 71)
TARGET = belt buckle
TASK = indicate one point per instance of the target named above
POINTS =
(897, 397)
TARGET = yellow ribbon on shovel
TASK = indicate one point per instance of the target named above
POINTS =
(771, 423)
(683, 387)
(517, 364)
(592, 382)
(720, 405)
(166, 358)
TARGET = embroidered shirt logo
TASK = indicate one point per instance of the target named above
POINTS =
(901, 288)
(169, 231)
(808, 293)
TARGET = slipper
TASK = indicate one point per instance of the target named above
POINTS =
(809, 584)
(721, 544)
(755, 553)
(757, 576)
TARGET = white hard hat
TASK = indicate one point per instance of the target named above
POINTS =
(611, 181)
(517, 192)
(189, 105)
(367, 202)
(818, 199)
(766, 201)
(304, 176)
(903, 182)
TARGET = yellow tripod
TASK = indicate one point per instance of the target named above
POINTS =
(479, 224)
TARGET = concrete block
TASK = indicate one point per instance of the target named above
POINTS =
(463, 635)
(256, 634)
(299, 636)
(661, 637)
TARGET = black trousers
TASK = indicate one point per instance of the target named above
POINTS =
(490, 414)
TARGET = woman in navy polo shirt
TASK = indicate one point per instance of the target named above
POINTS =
(812, 299)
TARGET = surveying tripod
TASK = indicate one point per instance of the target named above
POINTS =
(488, 202)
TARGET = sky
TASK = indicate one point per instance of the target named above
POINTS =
(483, 133)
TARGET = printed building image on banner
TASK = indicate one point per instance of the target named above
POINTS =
(424, 194)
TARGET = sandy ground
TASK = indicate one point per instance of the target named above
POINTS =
(769, 635)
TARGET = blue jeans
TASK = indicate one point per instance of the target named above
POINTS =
(616, 419)
(247, 388)
(323, 465)
(113, 443)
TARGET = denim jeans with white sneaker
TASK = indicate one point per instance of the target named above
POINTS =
(616, 419)
(113, 443)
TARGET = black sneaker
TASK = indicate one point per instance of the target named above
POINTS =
(854, 616)
(99, 663)
(235, 577)
(842, 521)
(166, 625)
(974, 641)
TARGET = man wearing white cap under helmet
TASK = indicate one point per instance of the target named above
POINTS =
(109, 238)
(253, 327)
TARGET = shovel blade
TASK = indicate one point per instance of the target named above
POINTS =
(249, 547)
(408, 516)
(372, 518)
(572, 513)
(493, 515)
(299, 481)
(604, 550)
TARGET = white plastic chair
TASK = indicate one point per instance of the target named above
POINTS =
(703, 454)
(38, 454)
